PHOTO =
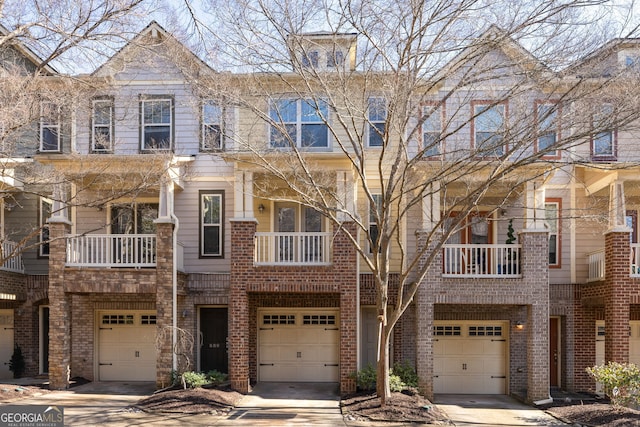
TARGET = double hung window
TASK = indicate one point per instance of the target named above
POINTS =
(156, 123)
(50, 132)
(488, 124)
(431, 130)
(377, 114)
(211, 220)
(603, 139)
(547, 129)
(552, 214)
(212, 126)
(102, 126)
(44, 213)
(299, 123)
(375, 209)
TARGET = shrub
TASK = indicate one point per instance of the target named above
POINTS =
(406, 373)
(396, 383)
(366, 378)
(621, 382)
(16, 363)
(194, 379)
(216, 377)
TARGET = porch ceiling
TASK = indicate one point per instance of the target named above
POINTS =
(598, 178)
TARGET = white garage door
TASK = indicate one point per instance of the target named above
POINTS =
(126, 346)
(634, 342)
(470, 357)
(298, 345)
(6, 342)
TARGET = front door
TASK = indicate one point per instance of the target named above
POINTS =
(554, 355)
(213, 347)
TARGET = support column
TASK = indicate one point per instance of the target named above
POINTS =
(242, 242)
(535, 216)
(164, 302)
(346, 195)
(431, 206)
(59, 307)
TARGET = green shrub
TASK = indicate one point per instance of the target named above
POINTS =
(194, 379)
(216, 377)
(16, 363)
(621, 382)
(396, 383)
(406, 373)
(366, 378)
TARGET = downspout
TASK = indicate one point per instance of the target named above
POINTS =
(174, 278)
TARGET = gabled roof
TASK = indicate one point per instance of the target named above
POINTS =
(156, 32)
(600, 54)
(26, 52)
(498, 39)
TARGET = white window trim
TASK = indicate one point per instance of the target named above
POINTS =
(220, 196)
(432, 110)
(299, 123)
(377, 198)
(556, 232)
(498, 131)
(220, 123)
(144, 125)
(55, 126)
(42, 222)
(372, 123)
(94, 126)
(611, 131)
(554, 128)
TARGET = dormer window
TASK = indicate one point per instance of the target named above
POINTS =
(310, 59)
(335, 59)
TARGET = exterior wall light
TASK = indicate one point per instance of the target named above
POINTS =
(519, 325)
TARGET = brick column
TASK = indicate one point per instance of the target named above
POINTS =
(345, 263)
(424, 302)
(164, 302)
(535, 273)
(242, 249)
(617, 285)
(59, 308)
(585, 346)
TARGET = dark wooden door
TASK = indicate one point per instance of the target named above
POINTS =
(553, 352)
(44, 345)
(214, 330)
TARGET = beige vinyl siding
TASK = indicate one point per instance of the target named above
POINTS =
(20, 222)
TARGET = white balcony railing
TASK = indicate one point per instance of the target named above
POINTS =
(595, 261)
(292, 249)
(481, 260)
(15, 262)
(111, 250)
(635, 260)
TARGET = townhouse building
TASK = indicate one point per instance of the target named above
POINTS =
(168, 246)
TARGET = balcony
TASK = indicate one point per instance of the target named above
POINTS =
(14, 263)
(292, 249)
(112, 250)
(481, 260)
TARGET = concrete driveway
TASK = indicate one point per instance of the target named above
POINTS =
(471, 410)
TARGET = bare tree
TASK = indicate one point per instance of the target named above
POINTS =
(400, 112)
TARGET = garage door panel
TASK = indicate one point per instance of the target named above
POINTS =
(470, 357)
(304, 349)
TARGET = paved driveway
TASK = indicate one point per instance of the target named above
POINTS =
(491, 410)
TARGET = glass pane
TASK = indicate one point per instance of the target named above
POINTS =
(551, 214)
(147, 214)
(376, 132)
(489, 118)
(211, 240)
(102, 113)
(489, 144)
(50, 139)
(286, 220)
(210, 209)
(284, 110)
(546, 141)
(122, 220)
(102, 138)
(312, 220)
(431, 143)
(377, 109)
(211, 113)
(479, 230)
(553, 249)
(314, 136)
(602, 145)
(310, 112)
(157, 137)
(157, 112)
(212, 137)
(281, 140)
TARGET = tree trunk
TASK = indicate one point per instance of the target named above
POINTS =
(382, 379)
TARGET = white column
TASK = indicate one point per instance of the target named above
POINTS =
(248, 195)
(243, 195)
(617, 207)
(59, 205)
(165, 208)
(431, 206)
(535, 218)
(346, 195)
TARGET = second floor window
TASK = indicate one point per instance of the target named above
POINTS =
(50, 133)
(547, 128)
(552, 214)
(212, 121)
(156, 124)
(44, 213)
(603, 139)
(101, 125)
(211, 220)
(374, 211)
(377, 114)
(488, 124)
(431, 130)
(299, 123)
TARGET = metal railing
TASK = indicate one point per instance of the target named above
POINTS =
(292, 249)
(481, 260)
(13, 263)
(595, 261)
(635, 260)
(111, 250)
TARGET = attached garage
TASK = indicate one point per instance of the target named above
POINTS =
(126, 346)
(6, 342)
(634, 342)
(298, 345)
(470, 357)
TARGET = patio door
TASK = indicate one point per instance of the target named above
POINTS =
(291, 218)
(132, 218)
(474, 229)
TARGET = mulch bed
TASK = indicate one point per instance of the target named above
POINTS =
(191, 401)
(594, 413)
